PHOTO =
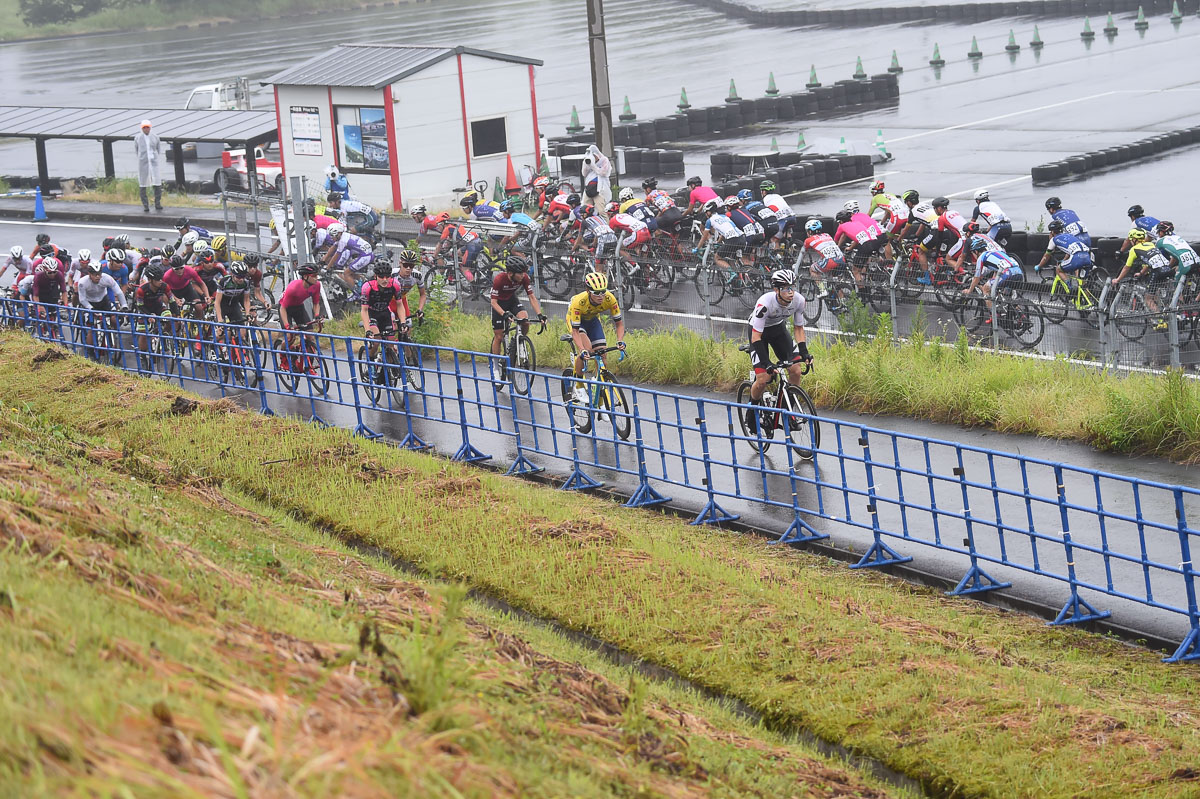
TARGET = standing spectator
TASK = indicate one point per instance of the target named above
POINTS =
(597, 173)
(149, 151)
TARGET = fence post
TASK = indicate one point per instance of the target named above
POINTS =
(996, 300)
(577, 480)
(1173, 326)
(645, 494)
(880, 554)
(255, 344)
(466, 452)
(1190, 648)
(1106, 333)
(976, 580)
(360, 429)
(712, 512)
(1076, 609)
(522, 465)
(891, 295)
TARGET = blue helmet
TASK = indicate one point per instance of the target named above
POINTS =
(814, 226)
(978, 244)
(507, 206)
(745, 195)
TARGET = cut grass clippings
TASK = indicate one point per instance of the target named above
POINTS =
(968, 699)
(165, 636)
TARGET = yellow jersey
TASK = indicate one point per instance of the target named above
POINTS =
(625, 206)
(583, 309)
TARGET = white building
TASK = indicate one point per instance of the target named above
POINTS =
(407, 124)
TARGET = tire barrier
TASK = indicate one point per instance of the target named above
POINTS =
(1115, 156)
(791, 172)
(843, 97)
(857, 17)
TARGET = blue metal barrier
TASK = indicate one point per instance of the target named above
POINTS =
(1095, 533)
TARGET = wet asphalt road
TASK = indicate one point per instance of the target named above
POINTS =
(955, 129)
(673, 450)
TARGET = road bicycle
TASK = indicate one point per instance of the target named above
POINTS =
(297, 355)
(520, 354)
(1017, 317)
(232, 353)
(779, 406)
(1132, 310)
(1079, 292)
(395, 365)
(601, 396)
(100, 334)
(157, 344)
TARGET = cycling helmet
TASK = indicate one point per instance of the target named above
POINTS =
(251, 259)
(626, 194)
(978, 244)
(17, 252)
(573, 200)
(613, 207)
(306, 269)
(745, 196)
(418, 210)
(596, 282)
(877, 188)
(218, 243)
(206, 257)
(238, 269)
(783, 278)
(190, 238)
(107, 244)
(93, 268)
(154, 252)
(1165, 228)
(508, 206)
(1136, 210)
(46, 249)
(587, 210)
(409, 257)
(50, 265)
(333, 197)
(517, 264)
(331, 172)
(469, 200)
(123, 241)
(842, 216)
(201, 247)
(971, 227)
(767, 186)
(1055, 226)
(732, 201)
(154, 273)
(694, 181)
(813, 226)
(85, 255)
(852, 206)
(182, 222)
(981, 195)
(911, 196)
(43, 238)
(1137, 234)
(650, 184)
(542, 182)
(168, 250)
(176, 262)
(1053, 204)
(310, 206)
(335, 230)
(940, 202)
(713, 205)
(113, 256)
(382, 268)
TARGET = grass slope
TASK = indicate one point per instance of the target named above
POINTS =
(969, 699)
(166, 636)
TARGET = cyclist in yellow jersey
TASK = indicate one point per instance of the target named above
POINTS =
(879, 197)
(583, 318)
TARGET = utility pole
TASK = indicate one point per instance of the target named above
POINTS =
(601, 101)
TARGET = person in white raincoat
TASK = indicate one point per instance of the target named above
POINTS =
(149, 153)
(597, 186)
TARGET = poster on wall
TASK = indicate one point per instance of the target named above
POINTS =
(352, 144)
(374, 138)
(306, 130)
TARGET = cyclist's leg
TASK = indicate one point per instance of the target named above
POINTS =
(593, 333)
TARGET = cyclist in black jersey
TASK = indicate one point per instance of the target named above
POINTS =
(231, 301)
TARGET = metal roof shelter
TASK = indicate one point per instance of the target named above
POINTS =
(373, 66)
(107, 125)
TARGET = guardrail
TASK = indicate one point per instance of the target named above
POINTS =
(1091, 533)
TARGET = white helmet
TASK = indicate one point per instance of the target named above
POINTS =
(17, 252)
(418, 209)
(115, 255)
(852, 207)
(981, 195)
(189, 239)
(50, 265)
(331, 172)
(85, 255)
(626, 194)
(713, 205)
(200, 246)
(336, 229)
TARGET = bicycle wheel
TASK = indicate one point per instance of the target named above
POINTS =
(265, 312)
(759, 434)
(1131, 317)
(710, 282)
(1023, 322)
(974, 314)
(807, 288)
(554, 278)
(370, 374)
(580, 415)
(1056, 303)
(948, 284)
(282, 357)
(610, 398)
(394, 372)
(804, 435)
(752, 283)
(412, 365)
(314, 367)
(655, 280)
(522, 356)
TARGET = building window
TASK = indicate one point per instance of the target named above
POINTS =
(488, 137)
(362, 143)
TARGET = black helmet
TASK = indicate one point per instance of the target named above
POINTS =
(1053, 204)
(168, 250)
(694, 181)
(155, 252)
(182, 222)
(176, 262)
(573, 200)
(1136, 210)
(843, 216)
(382, 268)
(107, 244)
(410, 257)
(334, 197)
(310, 205)
(251, 260)
(650, 184)
(1165, 228)
(154, 273)
(46, 249)
(911, 196)
(517, 264)
(942, 201)
(1055, 226)
(307, 269)
(43, 238)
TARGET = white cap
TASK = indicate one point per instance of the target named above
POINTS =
(145, 123)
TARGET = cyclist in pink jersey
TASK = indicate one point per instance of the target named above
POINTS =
(855, 238)
(292, 310)
(184, 282)
(700, 194)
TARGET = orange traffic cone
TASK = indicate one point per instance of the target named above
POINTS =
(511, 185)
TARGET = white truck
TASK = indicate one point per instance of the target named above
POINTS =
(228, 95)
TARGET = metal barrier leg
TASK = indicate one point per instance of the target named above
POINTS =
(411, 440)
(976, 580)
(799, 531)
(255, 347)
(645, 494)
(578, 480)
(360, 429)
(467, 452)
(880, 554)
(522, 465)
(712, 512)
(1076, 609)
(1190, 648)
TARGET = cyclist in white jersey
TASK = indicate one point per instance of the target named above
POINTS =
(783, 211)
(729, 236)
(769, 328)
